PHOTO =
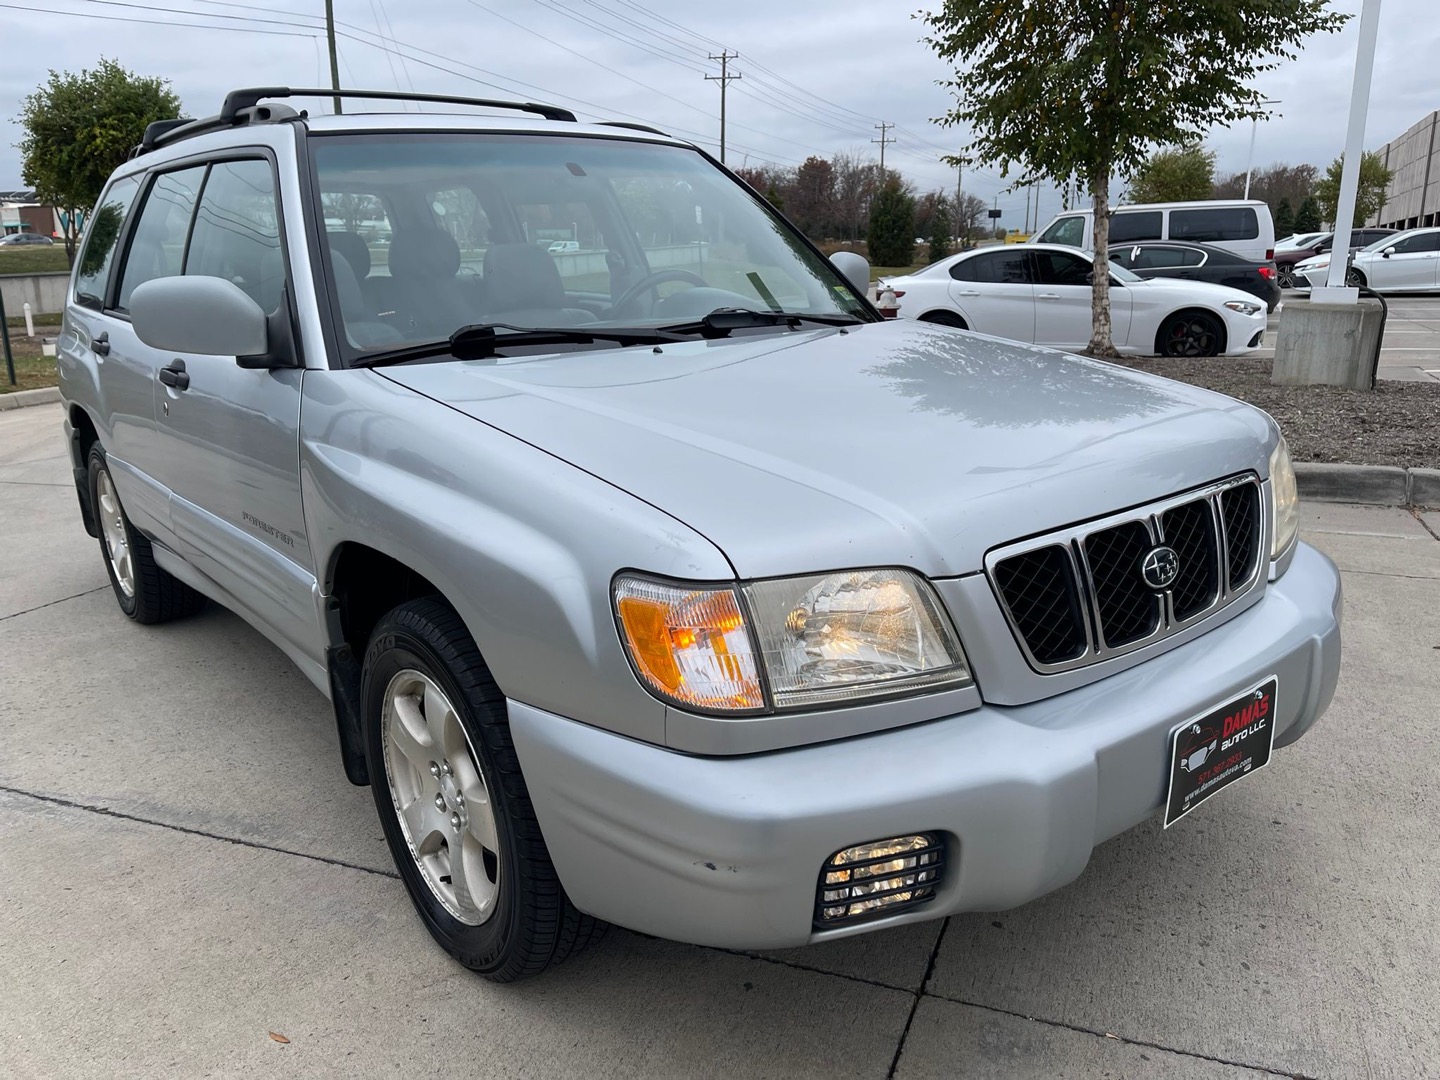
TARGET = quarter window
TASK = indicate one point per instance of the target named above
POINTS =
(237, 231)
(158, 247)
(1128, 225)
(93, 278)
(1217, 223)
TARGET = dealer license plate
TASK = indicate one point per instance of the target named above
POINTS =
(1211, 752)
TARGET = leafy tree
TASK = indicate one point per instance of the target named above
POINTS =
(811, 198)
(774, 196)
(79, 128)
(892, 226)
(1105, 79)
(1374, 183)
(939, 230)
(1284, 215)
(1307, 219)
(1272, 183)
(1180, 174)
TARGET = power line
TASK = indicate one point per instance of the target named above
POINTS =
(157, 22)
(724, 79)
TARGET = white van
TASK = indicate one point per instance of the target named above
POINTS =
(1239, 225)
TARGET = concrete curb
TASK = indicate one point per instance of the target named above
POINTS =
(1373, 485)
(18, 399)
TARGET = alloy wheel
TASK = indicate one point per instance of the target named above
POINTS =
(117, 539)
(1193, 335)
(441, 797)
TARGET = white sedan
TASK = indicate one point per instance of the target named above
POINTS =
(1040, 293)
(1404, 262)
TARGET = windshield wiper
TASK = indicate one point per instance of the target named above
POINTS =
(480, 341)
(721, 321)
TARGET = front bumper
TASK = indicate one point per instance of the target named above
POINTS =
(726, 851)
(1244, 332)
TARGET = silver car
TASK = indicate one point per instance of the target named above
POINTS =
(663, 584)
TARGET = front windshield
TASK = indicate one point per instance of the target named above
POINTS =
(428, 233)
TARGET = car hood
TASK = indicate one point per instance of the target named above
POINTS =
(894, 443)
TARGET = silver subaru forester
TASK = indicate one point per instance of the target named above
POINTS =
(653, 577)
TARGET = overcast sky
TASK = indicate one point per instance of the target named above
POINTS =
(815, 74)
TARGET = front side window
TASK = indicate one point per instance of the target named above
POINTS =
(92, 280)
(1417, 243)
(1130, 225)
(237, 231)
(1067, 230)
(1215, 223)
(1060, 268)
(548, 231)
(157, 249)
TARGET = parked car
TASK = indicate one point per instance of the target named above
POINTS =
(1398, 262)
(1287, 259)
(21, 239)
(730, 613)
(1242, 226)
(559, 247)
(1200, 262)
(1041, 293)
(1296, 240)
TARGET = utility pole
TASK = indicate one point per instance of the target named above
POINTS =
(882, 140)
(334, 63)
(724, 79)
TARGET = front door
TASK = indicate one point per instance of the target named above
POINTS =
(1064, 298)
(231, 434)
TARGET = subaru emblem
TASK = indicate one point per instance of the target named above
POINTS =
(1160, 568)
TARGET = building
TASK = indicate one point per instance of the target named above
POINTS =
(20, 212)
(1413, 200)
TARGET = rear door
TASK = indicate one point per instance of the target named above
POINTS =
(230, 434)
(993, 292)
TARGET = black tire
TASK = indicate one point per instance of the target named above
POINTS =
(532, 924)
(944, 318)
(1354, 278)
(1190, 333)
(1285, 274)
(153, 595)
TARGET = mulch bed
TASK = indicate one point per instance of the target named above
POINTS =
(1398, 423)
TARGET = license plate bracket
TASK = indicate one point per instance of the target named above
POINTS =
(1210, 752)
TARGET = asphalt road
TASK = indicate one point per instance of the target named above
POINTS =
(1410, 349)
(184, 870)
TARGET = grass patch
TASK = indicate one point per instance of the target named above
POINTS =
(33, 260)
(32, 370)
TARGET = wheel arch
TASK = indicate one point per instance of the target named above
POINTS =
(83, 435)
(940, 316)
(1193, 309)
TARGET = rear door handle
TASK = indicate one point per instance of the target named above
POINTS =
(1047, 296)
(100, 345)
(971, 292)
(174, 374)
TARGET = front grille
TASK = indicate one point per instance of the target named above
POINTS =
(1079, 596)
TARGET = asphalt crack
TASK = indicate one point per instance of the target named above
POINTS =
(105, 811)
(915, 1005)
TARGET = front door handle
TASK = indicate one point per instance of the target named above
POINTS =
(100, 345)
(1047, 296)
(173, 374)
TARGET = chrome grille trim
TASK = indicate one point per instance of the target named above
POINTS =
(1151, 516)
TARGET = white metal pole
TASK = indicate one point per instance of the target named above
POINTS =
(1250, 157)
(1335, 291)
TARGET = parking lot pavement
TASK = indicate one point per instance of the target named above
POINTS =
(1410, 350)
(184, 869)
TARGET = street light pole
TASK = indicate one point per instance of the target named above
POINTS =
(1335, 291)
(1250, 158)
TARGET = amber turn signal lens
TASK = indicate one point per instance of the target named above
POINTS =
(691, 645)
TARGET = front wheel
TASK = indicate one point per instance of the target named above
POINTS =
(1354, 278)
(1191, 333)
(453, 802)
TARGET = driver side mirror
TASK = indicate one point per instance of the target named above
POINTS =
(205, 315)
(1388, 251)
(854, 268)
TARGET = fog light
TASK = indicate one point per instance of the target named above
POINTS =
(882, 876)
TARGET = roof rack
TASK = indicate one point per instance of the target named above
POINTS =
(243, 106)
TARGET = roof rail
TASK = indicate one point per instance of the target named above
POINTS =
(242, 99)
(242, 106)
(634, 127)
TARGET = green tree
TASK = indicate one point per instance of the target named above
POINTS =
(1307, 218)
(1374, 183)
(939, 230)
(1179, 174)
(1104, 80)
(79, 128)
(1284, 219)
(892, 226)
(774, 196)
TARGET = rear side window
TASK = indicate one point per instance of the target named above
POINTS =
(1000, 267)
(1067, 230)
(237, 231)
(157, 248)
(1163, 258)
(1216, 223)
(1138, 225)
(93, 278)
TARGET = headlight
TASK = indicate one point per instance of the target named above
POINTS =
(1242, 306)
(1285, 496)
(821, 639)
